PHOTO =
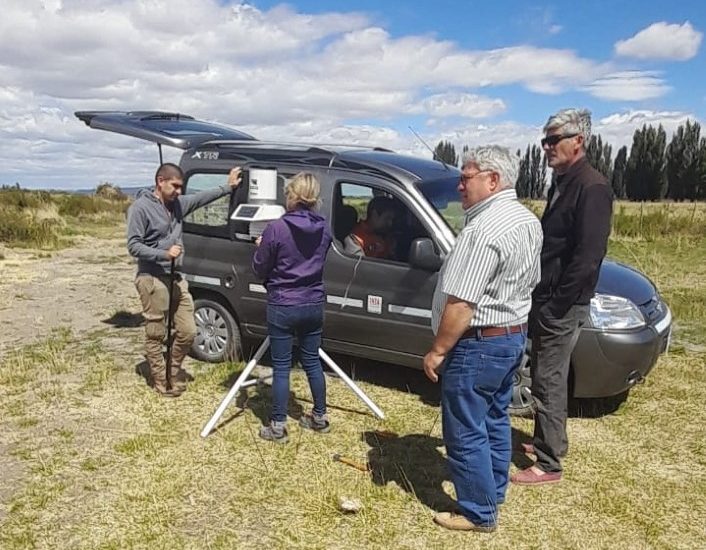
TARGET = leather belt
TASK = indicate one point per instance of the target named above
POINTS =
(487, 332)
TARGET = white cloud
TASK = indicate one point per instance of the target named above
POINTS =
(629, 86)
(618, 128)
(460, 104)
(277, 74)
(662, 41)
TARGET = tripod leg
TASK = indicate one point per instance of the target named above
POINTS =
(364, 398)
(236, 387)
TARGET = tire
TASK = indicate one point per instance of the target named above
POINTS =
(217, 333)
(522, 403)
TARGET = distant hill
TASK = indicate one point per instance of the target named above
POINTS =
(129, 191)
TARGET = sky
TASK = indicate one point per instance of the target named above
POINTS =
(361, 72)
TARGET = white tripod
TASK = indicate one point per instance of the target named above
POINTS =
(243, 382)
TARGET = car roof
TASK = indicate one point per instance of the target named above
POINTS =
(373, 160)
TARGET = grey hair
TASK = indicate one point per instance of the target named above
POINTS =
(572, 121)
(496, 158)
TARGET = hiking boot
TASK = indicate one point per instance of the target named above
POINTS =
(315, 422)
(179, 378)
(160, 386)
(275, 431)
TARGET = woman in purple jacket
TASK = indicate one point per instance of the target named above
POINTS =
(290, 258)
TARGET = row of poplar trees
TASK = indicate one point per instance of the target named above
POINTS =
(652, 170)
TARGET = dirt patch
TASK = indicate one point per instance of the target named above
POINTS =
(83, 287)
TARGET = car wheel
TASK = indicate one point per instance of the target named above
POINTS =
(217, 334)
(522, 403)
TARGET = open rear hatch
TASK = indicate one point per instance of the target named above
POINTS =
(172, 129)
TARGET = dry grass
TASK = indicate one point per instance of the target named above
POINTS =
(91, 458)
(48, 220)
(107, 464)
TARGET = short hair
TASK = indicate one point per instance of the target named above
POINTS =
(303, 190)
(572, 121)
(168, 170)
(380, 205)
(496, 158)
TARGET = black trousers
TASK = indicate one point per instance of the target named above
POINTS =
(553, 340)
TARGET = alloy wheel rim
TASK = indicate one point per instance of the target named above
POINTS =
(211, 331)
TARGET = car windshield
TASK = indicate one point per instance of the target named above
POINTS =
(443, 194)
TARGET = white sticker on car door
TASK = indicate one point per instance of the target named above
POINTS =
(374, 304)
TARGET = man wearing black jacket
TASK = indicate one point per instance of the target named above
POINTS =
(576, 225)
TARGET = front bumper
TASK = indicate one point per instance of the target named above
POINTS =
(606, 363)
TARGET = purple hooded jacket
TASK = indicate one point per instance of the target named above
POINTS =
(291, 258)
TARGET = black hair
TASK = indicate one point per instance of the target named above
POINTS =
(168, 170)
(380, 205)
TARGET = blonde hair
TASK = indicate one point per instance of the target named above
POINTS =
(302, 190)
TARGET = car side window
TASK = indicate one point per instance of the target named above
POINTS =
(214, 214)
(374, 223)
(214, 219)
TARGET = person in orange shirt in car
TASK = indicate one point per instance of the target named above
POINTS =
(372, 237)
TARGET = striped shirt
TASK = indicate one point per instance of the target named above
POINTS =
(494, 263)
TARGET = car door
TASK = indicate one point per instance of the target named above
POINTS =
(379, 308)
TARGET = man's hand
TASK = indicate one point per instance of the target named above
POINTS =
(174, 251)
(234, 177)
(432, 364)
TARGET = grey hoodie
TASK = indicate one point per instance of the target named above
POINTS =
(153, 227)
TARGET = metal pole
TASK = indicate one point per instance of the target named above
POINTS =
(240, 382)
(161, 161)
(170, 320)
(364, 398)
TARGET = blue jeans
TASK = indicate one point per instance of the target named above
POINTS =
(306, 323)
(476, 389)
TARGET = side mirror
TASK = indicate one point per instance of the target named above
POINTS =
(423, 255)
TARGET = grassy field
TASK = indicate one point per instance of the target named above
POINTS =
(47, 221)
(91, 458)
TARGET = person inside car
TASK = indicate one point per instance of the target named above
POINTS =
(372, 237)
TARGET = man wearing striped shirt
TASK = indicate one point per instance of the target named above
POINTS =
(479, 315)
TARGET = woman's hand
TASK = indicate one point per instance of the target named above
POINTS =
(258, 240)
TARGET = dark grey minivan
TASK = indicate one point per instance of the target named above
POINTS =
(376, 309)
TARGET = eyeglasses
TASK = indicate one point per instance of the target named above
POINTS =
(551, 141)
(465, 178)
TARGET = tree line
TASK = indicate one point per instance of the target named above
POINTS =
(651, 170)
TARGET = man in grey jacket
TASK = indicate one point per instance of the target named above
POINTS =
(154, 237)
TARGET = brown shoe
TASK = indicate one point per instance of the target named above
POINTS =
(160, 386)
(534, 476)
(179, 378)
(457, 522)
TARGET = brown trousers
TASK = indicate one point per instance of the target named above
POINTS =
(154, 295)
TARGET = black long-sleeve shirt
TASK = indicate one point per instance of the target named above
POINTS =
(576, 229)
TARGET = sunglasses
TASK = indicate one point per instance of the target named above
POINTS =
(551, 141)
